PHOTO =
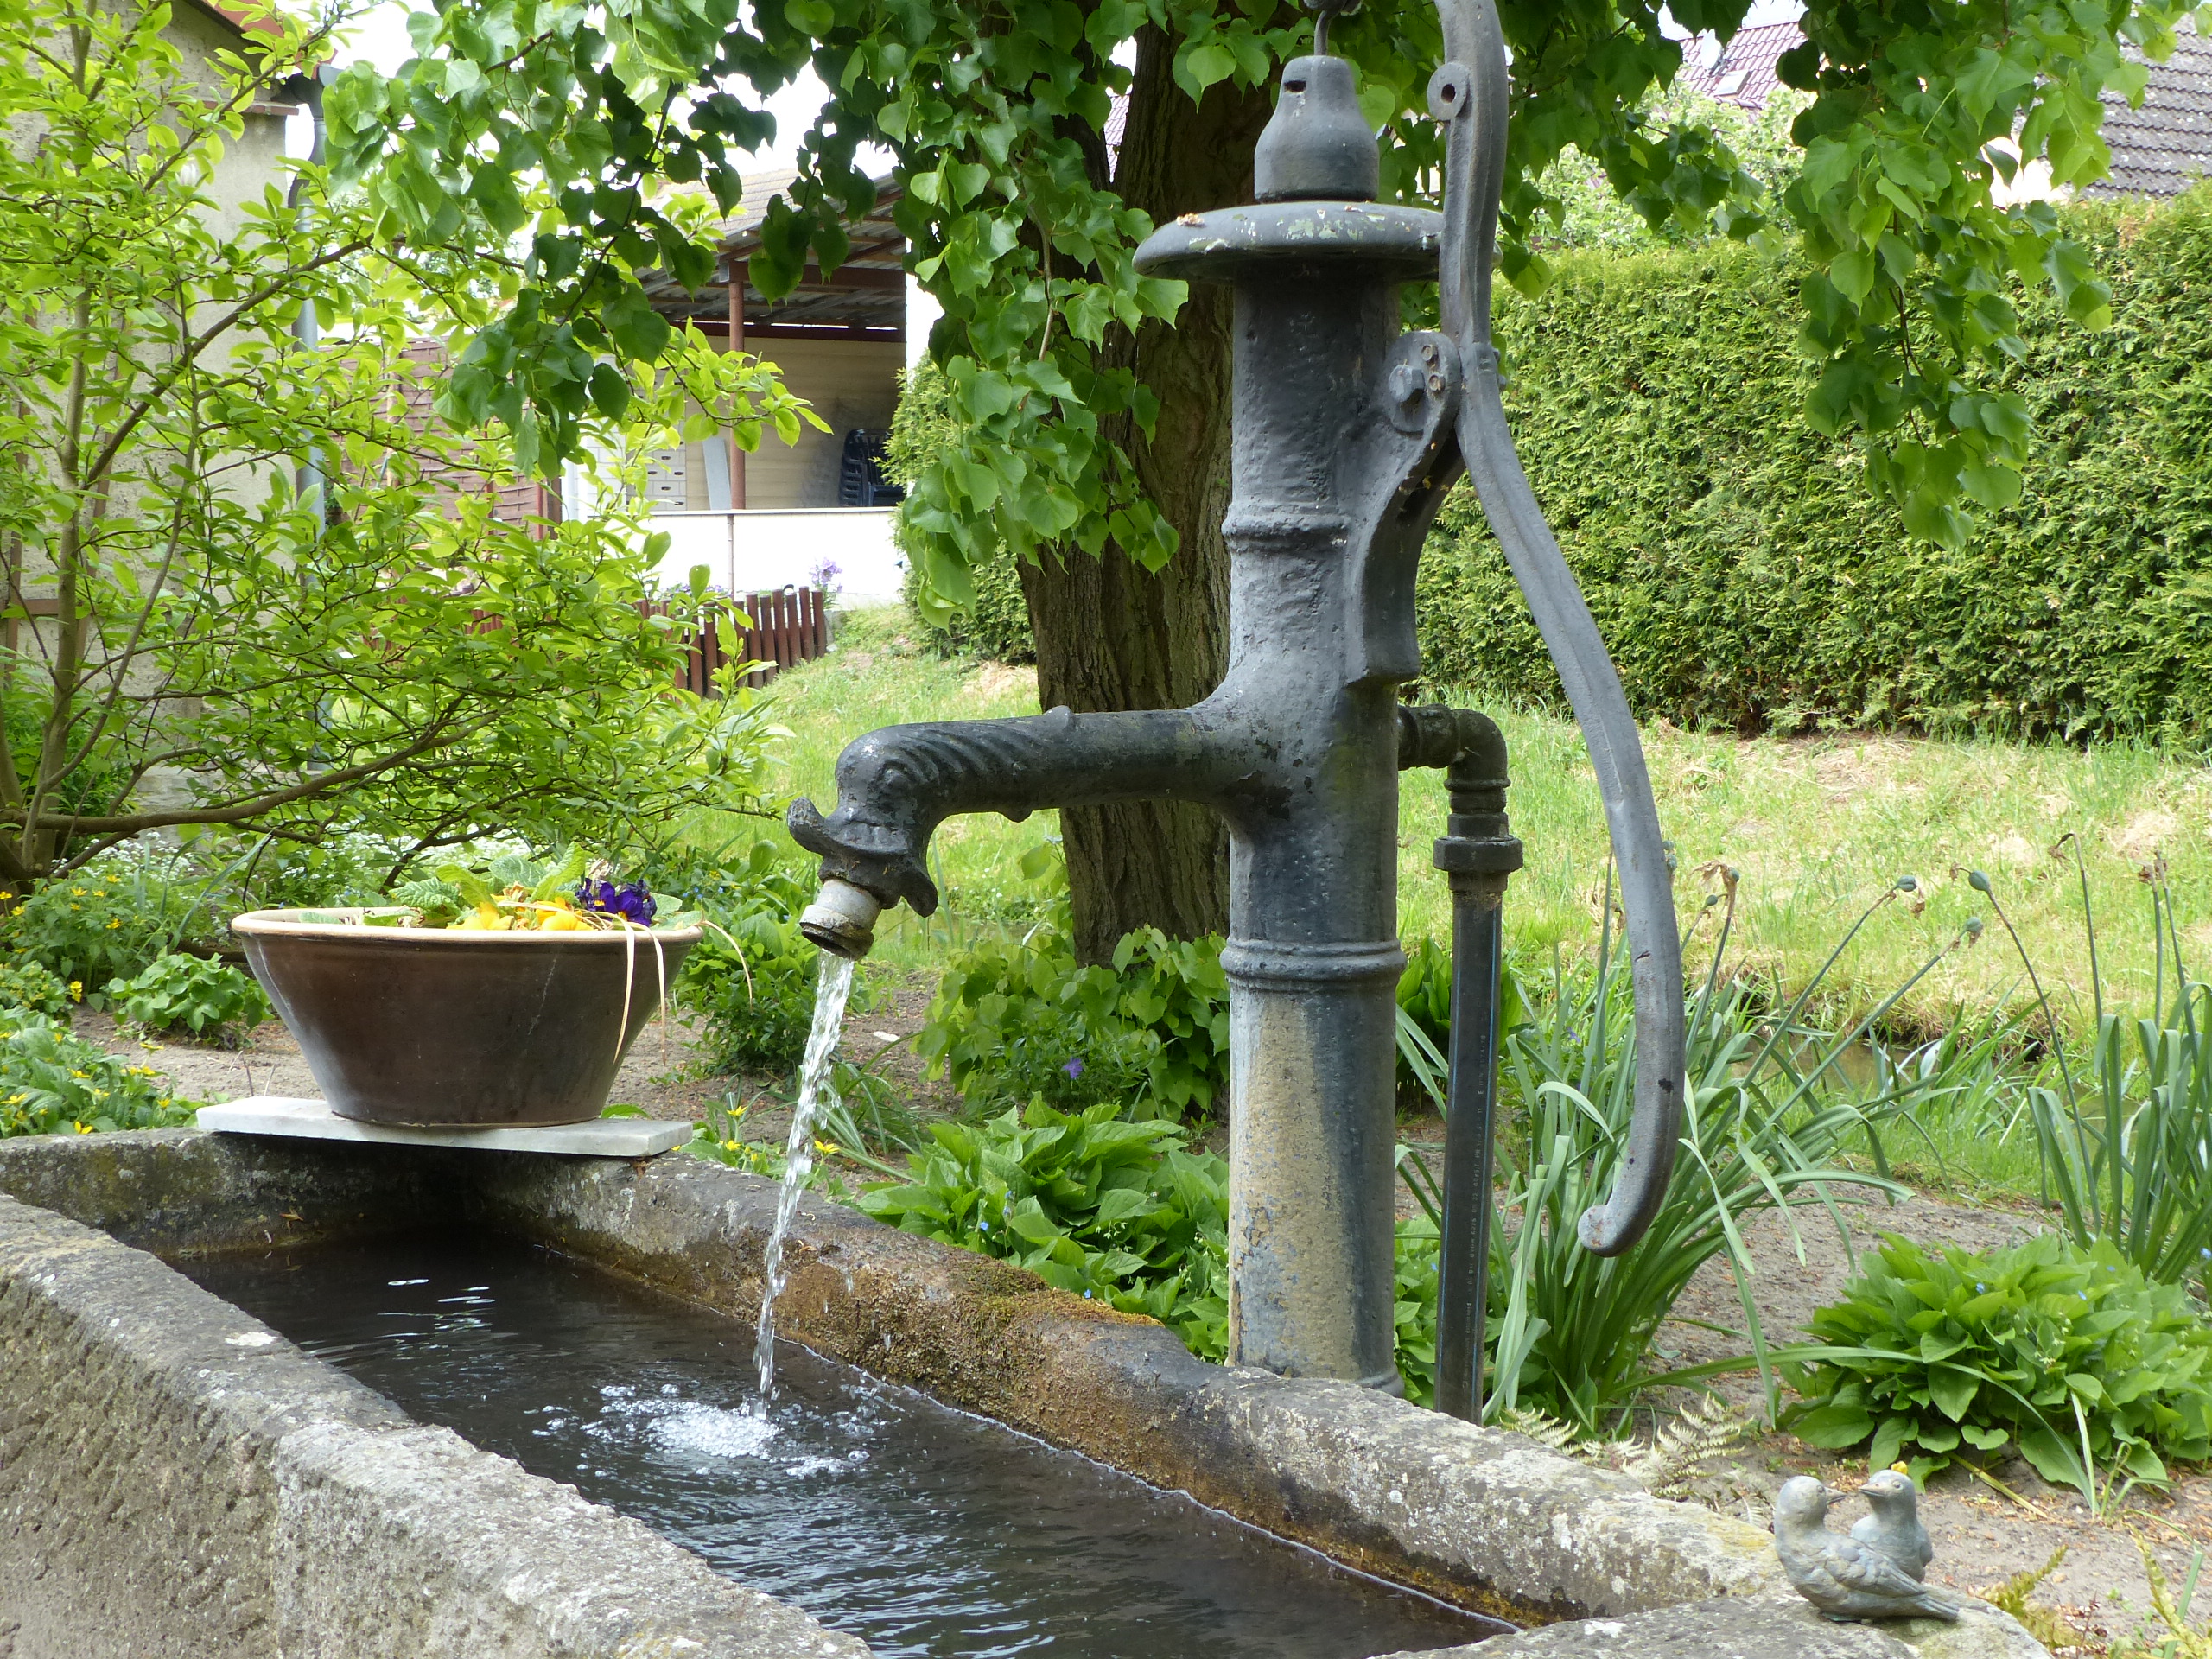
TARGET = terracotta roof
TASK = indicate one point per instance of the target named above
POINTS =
(2158, 150)
(1744, 73)
(2164, 147)
(242, 21)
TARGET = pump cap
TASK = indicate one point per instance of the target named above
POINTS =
(1318, 146)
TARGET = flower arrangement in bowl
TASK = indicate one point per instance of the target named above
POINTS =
(501, 997)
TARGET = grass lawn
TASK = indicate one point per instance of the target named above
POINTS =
(1816, 828)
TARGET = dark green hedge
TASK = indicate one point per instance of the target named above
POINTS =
(1745, 578)
(1741, 571)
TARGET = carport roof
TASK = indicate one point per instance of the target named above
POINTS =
(865, 298)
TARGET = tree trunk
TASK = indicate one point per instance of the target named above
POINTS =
(1111, 635)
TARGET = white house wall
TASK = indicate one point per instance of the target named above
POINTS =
(848, 383)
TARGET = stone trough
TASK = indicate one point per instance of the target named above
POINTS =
(175, 1478)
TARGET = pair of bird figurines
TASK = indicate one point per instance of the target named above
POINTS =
(1875, 1573)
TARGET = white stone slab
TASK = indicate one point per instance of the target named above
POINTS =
(312, 1120)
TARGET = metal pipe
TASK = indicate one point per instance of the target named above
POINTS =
(308, 478)
(1477, 852)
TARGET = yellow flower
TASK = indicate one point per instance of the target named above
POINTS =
(827, 1148)
(83, 1129)
(77, 892)
(115, 921)
(19, 910)
(78, 1074)
(76, 990)
(727, 1146)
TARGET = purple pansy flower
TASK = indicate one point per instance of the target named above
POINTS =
(631, 899)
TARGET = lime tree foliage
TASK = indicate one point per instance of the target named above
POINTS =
(246, 588)
(1747, 576)
(996, 115)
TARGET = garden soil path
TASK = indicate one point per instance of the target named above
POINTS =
(1981, 1536)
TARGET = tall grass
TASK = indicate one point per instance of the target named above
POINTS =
(2124, 1136)
(1770, 1105)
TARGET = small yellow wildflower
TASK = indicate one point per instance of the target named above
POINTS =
(83, 1129)
(76, 893)
(76, 990)
(79, 1074)
(76, 907)
(727, 1146)
(827, 1148)
(19, 910)
(115, 921)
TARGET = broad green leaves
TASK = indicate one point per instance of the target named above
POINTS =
(995, 116)
(278, 587)
(2068, 1353)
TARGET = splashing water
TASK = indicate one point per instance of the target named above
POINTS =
(830, 990)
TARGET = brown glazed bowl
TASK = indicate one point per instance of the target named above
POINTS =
(444, 1028)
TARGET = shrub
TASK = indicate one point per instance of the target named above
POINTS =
(2094, 1372)
(24, 984)
(1025, 1021)
(51, 1082)
(232, 874)
(194, 993)
(1090, 1202)
(109, 920)
(1746, 576)
(996, 625)
(751, 977)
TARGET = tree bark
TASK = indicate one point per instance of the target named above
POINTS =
(1111, 635)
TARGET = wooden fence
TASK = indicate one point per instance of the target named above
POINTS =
(791, 625)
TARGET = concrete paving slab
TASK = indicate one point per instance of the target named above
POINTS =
(312, 1120)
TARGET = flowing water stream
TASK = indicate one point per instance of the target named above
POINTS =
(831, 991)
(928, 1533)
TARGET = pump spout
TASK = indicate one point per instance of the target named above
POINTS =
(896, 785)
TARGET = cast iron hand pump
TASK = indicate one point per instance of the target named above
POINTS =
(1347, 433)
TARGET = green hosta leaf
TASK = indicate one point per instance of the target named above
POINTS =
(1953, 1389)
(1832, 1426)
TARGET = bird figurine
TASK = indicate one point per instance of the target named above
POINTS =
(1894, 1527)
(1845, 1578)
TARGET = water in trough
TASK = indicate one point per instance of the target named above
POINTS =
(921, 1529)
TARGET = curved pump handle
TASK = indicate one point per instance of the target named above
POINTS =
(1468, 94)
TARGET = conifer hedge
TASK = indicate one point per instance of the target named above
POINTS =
(1743, 575)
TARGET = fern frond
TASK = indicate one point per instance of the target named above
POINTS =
(1543, 1428)
(1702, 1431)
